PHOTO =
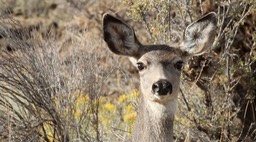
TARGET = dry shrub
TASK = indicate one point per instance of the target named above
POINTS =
(48, 93)
(40, 89)
(217, 100)
(55, 78)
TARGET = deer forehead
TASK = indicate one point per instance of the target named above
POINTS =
(160, 56)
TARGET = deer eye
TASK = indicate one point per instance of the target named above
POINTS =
(178, 65)
(140, 66)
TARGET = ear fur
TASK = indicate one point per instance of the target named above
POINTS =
(120, 37)
(199, 35)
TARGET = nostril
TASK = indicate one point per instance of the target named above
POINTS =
(156, 87)
(168, 87)
(162, 87)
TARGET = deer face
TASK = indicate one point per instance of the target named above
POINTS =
(159, 75)
(159, 66)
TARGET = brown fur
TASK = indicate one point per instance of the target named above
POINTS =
(156, 63)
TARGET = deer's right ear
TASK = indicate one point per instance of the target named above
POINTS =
(120, 37)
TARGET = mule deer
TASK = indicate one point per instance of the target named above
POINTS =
(159, 68)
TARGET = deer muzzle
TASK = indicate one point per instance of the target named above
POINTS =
(162, 87)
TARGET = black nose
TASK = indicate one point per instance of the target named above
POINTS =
(162, 87)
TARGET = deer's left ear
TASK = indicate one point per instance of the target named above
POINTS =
(199, 35)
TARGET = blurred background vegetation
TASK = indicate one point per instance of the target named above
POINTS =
(59, 82)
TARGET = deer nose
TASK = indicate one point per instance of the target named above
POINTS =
(162, 87)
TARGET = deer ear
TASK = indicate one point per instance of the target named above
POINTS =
(199, 35)
(120, 37)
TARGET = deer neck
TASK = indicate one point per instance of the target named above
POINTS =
(154, 121)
